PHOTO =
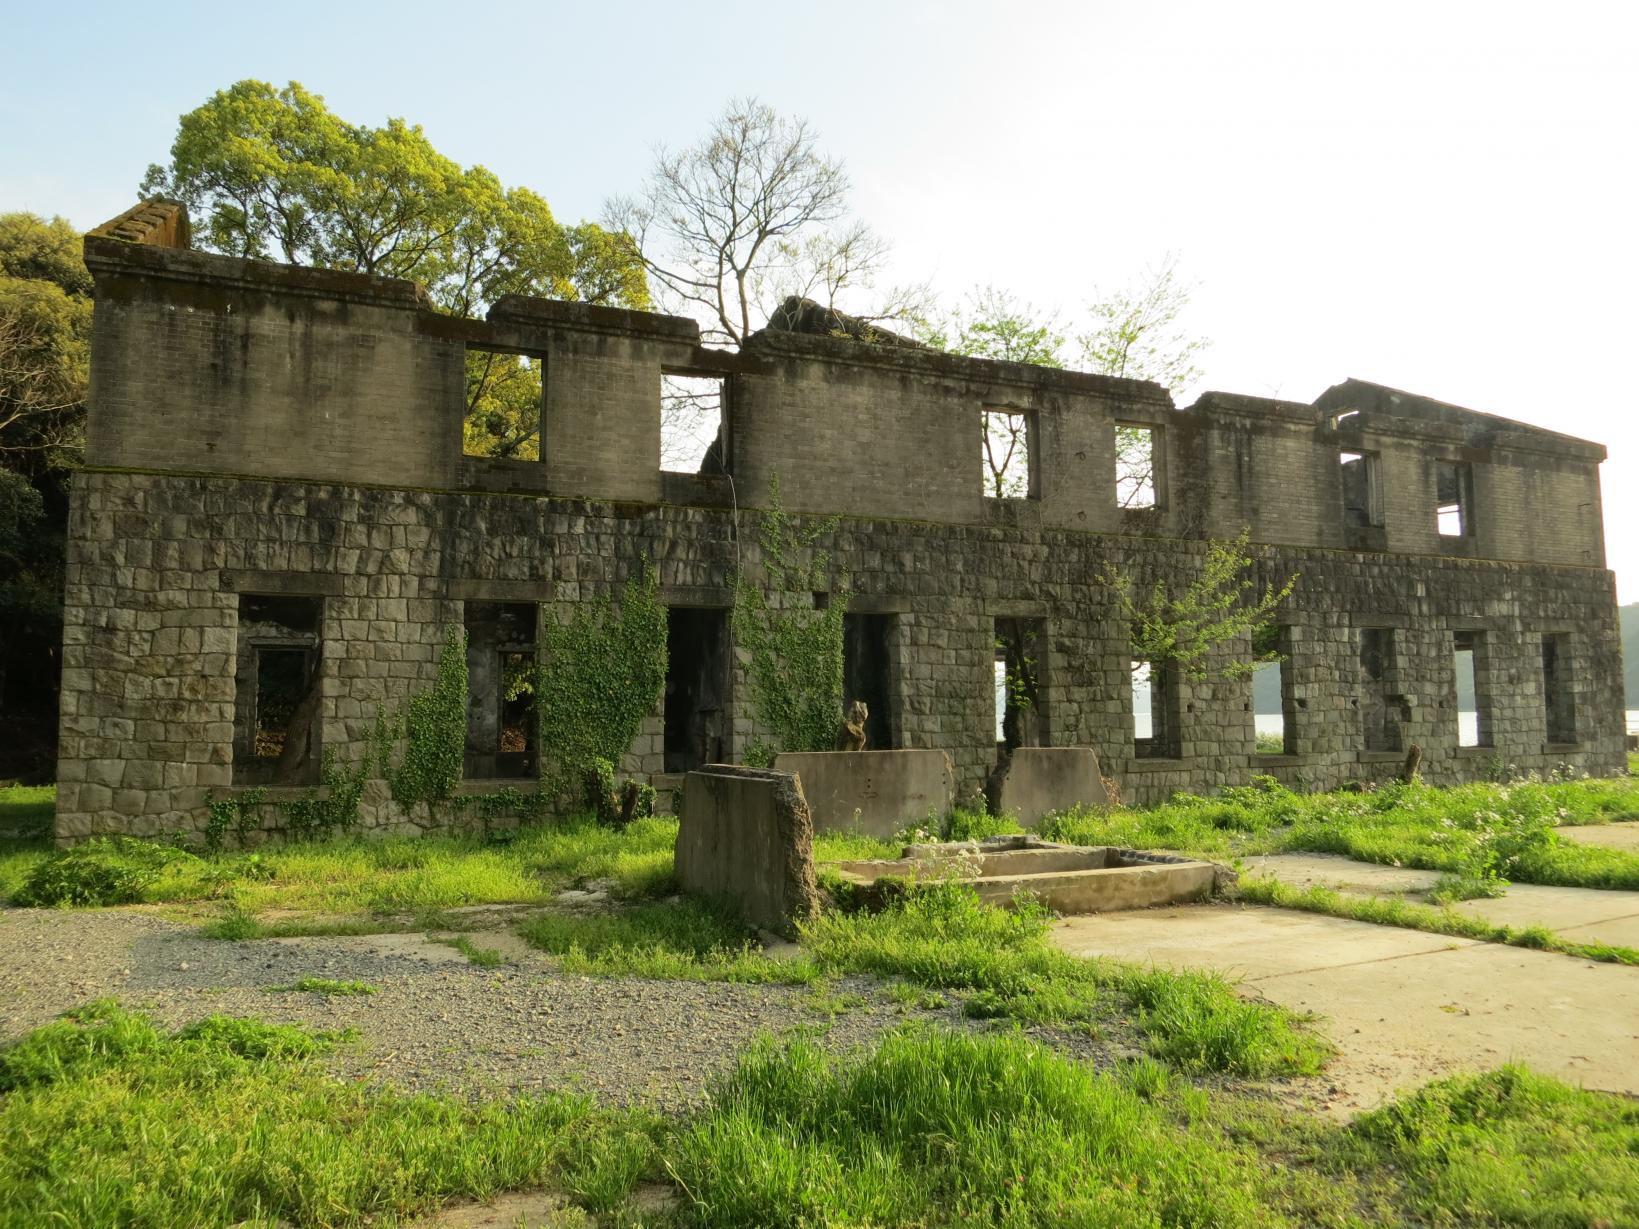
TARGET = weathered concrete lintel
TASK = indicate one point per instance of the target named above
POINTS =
(296, 584)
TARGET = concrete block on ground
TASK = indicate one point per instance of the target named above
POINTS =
(1042, 780)
(887, 789)
(746, 834)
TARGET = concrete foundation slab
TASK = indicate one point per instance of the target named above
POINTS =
(1405, 1007)
(1301, 870)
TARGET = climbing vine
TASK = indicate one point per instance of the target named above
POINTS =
(793, 643)
(600, 675)
(235, 813)
(435, 731)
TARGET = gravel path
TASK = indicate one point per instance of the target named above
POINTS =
(438, 1022)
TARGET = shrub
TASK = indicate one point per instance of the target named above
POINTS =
(106, 870)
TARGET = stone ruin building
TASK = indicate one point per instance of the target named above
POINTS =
(277, 523)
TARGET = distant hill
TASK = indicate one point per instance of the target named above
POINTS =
(1630, 652)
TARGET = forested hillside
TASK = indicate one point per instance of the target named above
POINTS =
(1630, 652)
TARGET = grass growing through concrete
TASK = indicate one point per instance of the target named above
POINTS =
(941, 939)
(1505, 826)
(1391, 911)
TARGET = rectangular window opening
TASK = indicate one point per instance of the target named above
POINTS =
(1135, 466)
(1155, 709)
(1556, 687)
(1274, 707)
(1379, 712)
(277, 691)
(867, 673)
(1362, 499)
(1467, 664)
(697, 710)
(505, 405)
(1021, 719)
(1009, 469)
(502, 735)
(693, 423)
(1453, 496)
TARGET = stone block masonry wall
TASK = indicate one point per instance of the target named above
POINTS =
(158, 562)
(269, 430)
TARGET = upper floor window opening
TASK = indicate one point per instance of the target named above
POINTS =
(1009, 454)
(1362, 491)
(1453, 498)
(693, 423)
(1137, 457)
(505, 404)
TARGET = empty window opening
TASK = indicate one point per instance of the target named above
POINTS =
(1453, 482)
(1468, 667)
(1135, 466)
(693, 424)
(1155, 709)
(1556, 688)
(1339, 419)
(867, 673)
(697, 688)
(505, 398)
(277, 691)
(1379, 706)
(1362, 499)
(502, 734)
(1008, 469)
(1021, 720)
(1274, 706)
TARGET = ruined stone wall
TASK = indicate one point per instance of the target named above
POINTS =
(263, 430)
(158, 562)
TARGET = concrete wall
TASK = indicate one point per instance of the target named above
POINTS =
(745, 834)
(874, 792)
(262, 429)
(1043, 780)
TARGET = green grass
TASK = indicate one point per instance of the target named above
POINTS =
(684, 940)
(106, 1121)
(483, 957)
(1416, 825)
(327, 985)
(939, 938)
(1391, 911)
(939, 1128)
(1507, 1148)
(26, 811)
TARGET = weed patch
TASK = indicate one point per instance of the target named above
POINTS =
(1395, 912)
(327, 985)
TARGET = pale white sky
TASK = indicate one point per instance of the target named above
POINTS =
(1436, 196)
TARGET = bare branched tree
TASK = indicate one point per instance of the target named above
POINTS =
(753, 213)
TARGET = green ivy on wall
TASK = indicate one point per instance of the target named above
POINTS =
(794, 648)
(600, 674)
(435, 730)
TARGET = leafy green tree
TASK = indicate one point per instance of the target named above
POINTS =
(273, 173)
(45, 324)
(1185, 626)
(45, 329)
(1135, 332)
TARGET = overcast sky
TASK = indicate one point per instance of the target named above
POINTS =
(1438, 197)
